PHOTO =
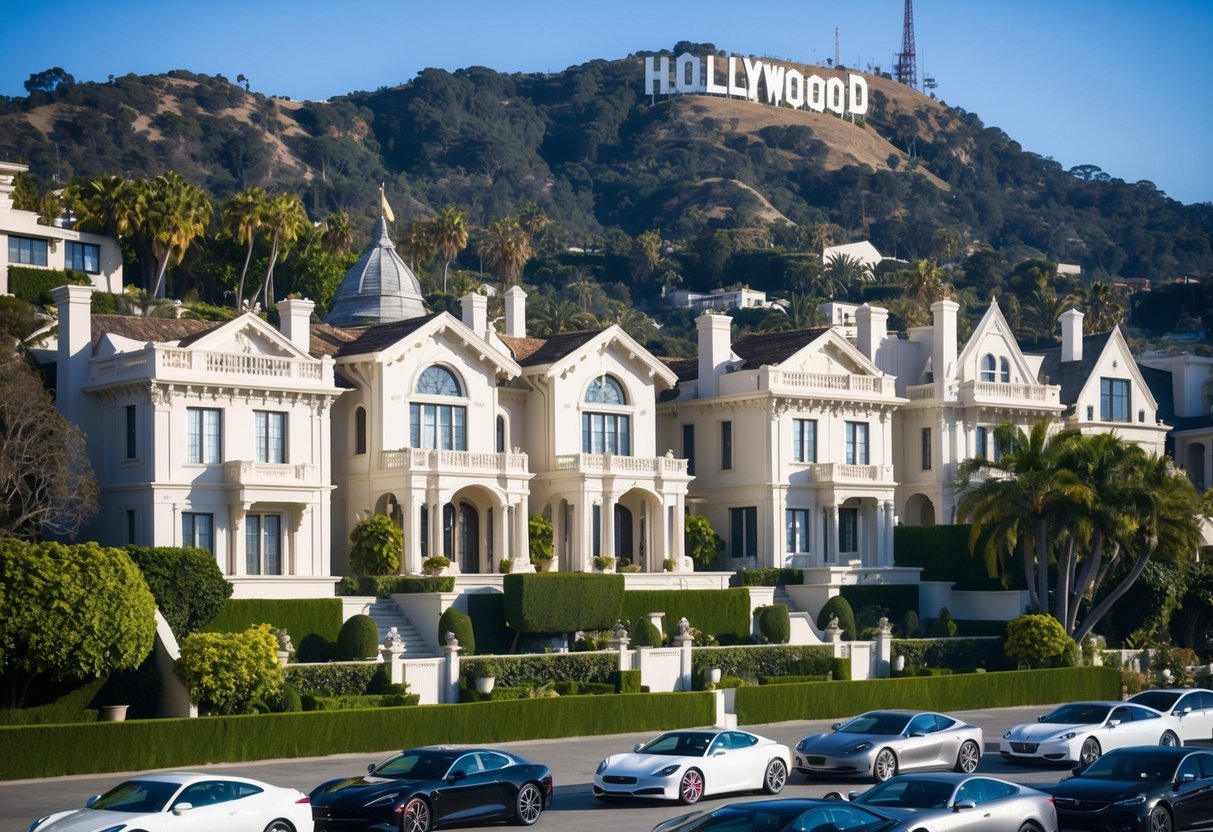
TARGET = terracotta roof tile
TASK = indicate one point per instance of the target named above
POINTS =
(159, 330)
(377, 338)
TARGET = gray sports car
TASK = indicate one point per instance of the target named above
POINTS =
(879, 744)
(946, 802)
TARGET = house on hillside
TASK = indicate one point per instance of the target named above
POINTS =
(1183, 387)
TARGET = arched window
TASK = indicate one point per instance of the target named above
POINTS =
(438, 381)
(438, 426)
(360, 430)
(988, 366)
(1004, 371)
(606, 433)
(501, 444)
(605, 390)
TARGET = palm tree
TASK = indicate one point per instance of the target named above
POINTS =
(107, 204)
(177, 213)
(555, 316)
(417, 242)
(338, 235)
(285, 220)
(449, 235)
(1103, 309)
(242, 216)
(821, 237)
(532, 220)
(632, 321)
(506, 248)
(583, 286)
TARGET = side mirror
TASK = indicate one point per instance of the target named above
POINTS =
(1187, 709)
(638, 746)
(91, 800)
(457, 775)
(719, 752)
(1187, 777)
(1112, 723)
(1041, 718)
(852, 795)
(182, 807)
(963, 805)
(1077, 770)
(918, 734)
(835, 726)
(370, 769)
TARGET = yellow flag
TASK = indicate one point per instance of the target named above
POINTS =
(384, 208)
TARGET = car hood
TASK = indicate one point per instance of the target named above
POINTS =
(1090, 788)
(838, 742)
(89, 820)
(640, 765)
(1042, 731)
(365, 788)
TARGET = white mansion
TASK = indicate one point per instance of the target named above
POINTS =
(267, 446)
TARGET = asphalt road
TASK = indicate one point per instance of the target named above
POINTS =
(572, 762)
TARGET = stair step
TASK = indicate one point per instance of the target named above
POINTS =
(387, 615)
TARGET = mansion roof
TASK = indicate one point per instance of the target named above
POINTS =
(377, 338)
(754, 351)
(159, 330)
(378, 288)
(535, 352)
(1072, 376)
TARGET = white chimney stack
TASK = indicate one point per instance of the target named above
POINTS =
(295, 321)
(515, 312)
(74, 304)
(715, 350)
(943, 347)
(871, 328)
(1071, 335)
(475, 312)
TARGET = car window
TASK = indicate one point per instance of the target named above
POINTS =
(136, 796)
(739, 739)
(240, 790)
(921, 724)
(943, 723)
(876, 723)
(1081, 714)
(1140, 713)
(206, 793)
(1188, 767)
(1206, 764)
(835, 819)
(492, 761)
(1122, 714)
(467, 764)
(678, 744)
(1204, 700)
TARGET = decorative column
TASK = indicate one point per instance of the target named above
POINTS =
(236, 512)
(684, 640)
(619, 642)
(391, 653)
(501, 520)
(660, 546)
(832, 534)
(882, 650)
(436, 521)
(608, 524)
(878, 550)
(680, 519)
(450, 681)
(522, 548)
(887, 552)
(412, 548)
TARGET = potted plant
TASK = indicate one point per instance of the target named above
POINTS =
(541, 547)
(604, 563)
(436, 565)
(486, 676)
(505, 566)
(669, 565)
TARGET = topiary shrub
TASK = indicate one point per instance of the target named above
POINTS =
(943, 626)
(454, 621)
(1036, 640)
(644, 633)
(189, 587)
(774, 624)
(358, 638)
(838, 606)
(289, 701)
(909, 624)
(376, 546)
(228, 672)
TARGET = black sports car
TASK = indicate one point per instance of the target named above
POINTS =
(1147, 788)
(423, 788)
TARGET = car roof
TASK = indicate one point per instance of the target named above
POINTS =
(1161, 750)
(946, 776)
(182, 778)
(1170, 690)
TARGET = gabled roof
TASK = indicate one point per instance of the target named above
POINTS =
(387, 340)
(521, 348)
(775, 347)
(327, 339)
(379, 288)
(377, 338)
(157, 330)
(993, 322)
(1072, 376)
(220, 337)
(556, 347)
(552, 353)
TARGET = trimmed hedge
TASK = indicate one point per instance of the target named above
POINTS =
(561, 602)
(839, 606)
(955, 653)
(770, 576)
(460, 625)
(72, 706)
(335, 679)
(189, 587)
(943, 553)
(358, 638)
(723, 613)
(385, 586)
(626, 681)
(351, 702)
(769, 660)
(299, 617)
(778, 703)
(774, 624)
(487, 611)
(34, 285)
(644, 633)
(536, 669)
(791, 680)
(55, 750)
(895, 599)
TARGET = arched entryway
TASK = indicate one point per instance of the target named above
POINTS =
(467, 534)
(636, 514)
(920, 511)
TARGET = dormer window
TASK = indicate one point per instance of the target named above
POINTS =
(988, 368)
(438, 425)
(605, 390)
(1004, 371)
(607, 429)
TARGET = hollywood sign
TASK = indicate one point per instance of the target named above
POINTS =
(758, 80)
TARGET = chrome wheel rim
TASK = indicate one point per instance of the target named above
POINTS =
(777, 775)
(692, 786)
(1160, 821)
(886, 765)
(416, 816)
(530, 804)
(970, 754)
(1089, 753)
(1169, 739)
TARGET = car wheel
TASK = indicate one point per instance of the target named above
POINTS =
(1029, 827)
(528, 805)
(775, 778)
(279, 826)
(416, 816)
(690, 788)
(885, 765)
(1090, 751)
(968, 757)
(1160, 820)
(1169, 739)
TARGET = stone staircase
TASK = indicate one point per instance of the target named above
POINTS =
(388, 615)
(782, 597)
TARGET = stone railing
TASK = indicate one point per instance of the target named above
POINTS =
(244, 472)
(839, 472)
(423, 459)
(994, 391)
(157, 361)
(920, 392)
(791, 381)
(615, 464)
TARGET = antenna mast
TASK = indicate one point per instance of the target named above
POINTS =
(905, 69)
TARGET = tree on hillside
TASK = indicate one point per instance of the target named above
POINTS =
(242, 217)
(1103, 310)
(338, 235)
(417, 243)
(46, 482)
(846, 271)
(449, 235)
(48, 80)
(177, 213)
(284, 220)
(505, 249)
(108, 205)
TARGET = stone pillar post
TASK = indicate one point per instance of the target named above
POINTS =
(522, 548)
(882, 650)
(684, 640)
(608, 525)
(887, 553)
(450, 680)
(832, 534)
(619, 642)
(392, 654)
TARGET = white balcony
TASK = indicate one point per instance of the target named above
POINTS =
(1044, 396)
(247, 474)
(626, 465)
(795, 383)
(840, 473)
(162, 363)
(423, 459)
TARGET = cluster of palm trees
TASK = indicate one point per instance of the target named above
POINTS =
(1083, 514)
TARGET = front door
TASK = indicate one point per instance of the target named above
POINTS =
(469, 539)
(623, 533)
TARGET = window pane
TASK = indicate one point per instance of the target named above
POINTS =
(605, 390)
(131, 432)
(212, 437)
(273, 544)
(414, 426)
(459, 420)
(252, 544)
(726, 445)
(438, 381)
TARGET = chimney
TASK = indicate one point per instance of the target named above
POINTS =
(295, 321)
(475, 312)
(515, 312)
(872, 326)
(715, 350)
(943, 347)
(1071, 335)
(75, 348)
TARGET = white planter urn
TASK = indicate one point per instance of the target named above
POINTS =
(713, 675)
(484, 684)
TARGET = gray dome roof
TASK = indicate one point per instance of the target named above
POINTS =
(378, 289)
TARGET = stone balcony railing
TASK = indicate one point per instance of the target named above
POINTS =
(841, 473)
(627, 465)
(157, 361)
(424, 459)
(993, 393)
(796, 383)
(245, 473)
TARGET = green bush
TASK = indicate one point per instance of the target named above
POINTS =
(770, 576)
(892, 600)
(17, 318)
(188, 585)
(487, 611)
(909, 624)
(333, 679)
(352, 702)
(839, 606)
(454, 621)
(312, 622)
(71, 706)
(358, 638)
(538, 669)
(774, 624)
(942, 626)
(944, 554)
(769, 660)
(505, 566)
(722, 613)
(700, 541)
(791, 680)
(226, 672)
(924, 671)
(385, 586)
(561, 602)
(644, 633)
(626, 681)
(541, 533)
(956, 653)
(376, 544)
(290, 701)
(1036, 640)
(34, 285)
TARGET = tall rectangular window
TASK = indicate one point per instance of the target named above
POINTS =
(263, 544)
(688, 447)
(926, 449)
(441, 427)
(198, 530)
(131, 527)
(596, 531)
(796, 521)
(848, 530)
(83, 257)
(857, 443)
(981, 443)
(27, 251)
(726, 445)
(804, 440)
(743, 532)
(606, 433)
(204, 435)
(269, 436)
(132, 434)
(1114, 399)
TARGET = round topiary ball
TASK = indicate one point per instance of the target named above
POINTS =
(838, 606)
(358, 638)
(645, 634)
(454, 621)
(774, 624)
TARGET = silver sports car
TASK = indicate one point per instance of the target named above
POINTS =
(879, 744)
(946, 802)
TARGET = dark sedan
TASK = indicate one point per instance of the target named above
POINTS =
(424, 788)
(1139, 789)
(795, 814)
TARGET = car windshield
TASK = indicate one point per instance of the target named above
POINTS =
(1142, 764)
(679, 744)
(1159, 700)
(876, 723)
(744, 818)
(417, 765)
(141, 796)
(908, 794)
(1081, 714)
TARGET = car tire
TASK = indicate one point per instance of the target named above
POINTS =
(1029, 826)
(968, 757)
(1169, 739)
(690, 787)
(1090, 751)
(884, 765)
(416, 816)
(775, 777)
(279, 826)
(528, 805)
(1160, 820)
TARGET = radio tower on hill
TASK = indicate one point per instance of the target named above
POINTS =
(904, 68)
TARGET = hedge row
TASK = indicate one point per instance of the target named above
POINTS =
(34, 285)
(943, 553)
(963, 653)
(778, 703)
(769, 660)
(895, 599)
(515, 671)
(353, 702)
(55, 750)
(336, 679)
(487, 611)
(385, 586)
(724, 613)
(561, 602)
(770, 576)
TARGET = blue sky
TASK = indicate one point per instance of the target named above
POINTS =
(1122, 84)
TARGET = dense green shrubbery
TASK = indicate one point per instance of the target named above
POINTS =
(839, 606)
(487, 611)
(770, 660)
(358, 638)
(375, 546)
(226, 672)
(72, 706)
(561, 602)
(1037, 640)
(626, 681)
(644, 633)
(188, 585)
(349, 702)
(34, 285)
(774, 624)
(873, 601)
(957, 653)
(923, 671)
(791, 680)
(385, 586)
(458, 623)
(334, 678)
(770, 576)
(313, 623)
(723, 613)
(943, 553)
(513, 671)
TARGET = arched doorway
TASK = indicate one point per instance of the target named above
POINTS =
(467, 530)
(624, 540)
(920, 511)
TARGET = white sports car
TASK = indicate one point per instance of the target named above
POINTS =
(1191, 707)
(686, 765)
(1078, 733)
(187, 802)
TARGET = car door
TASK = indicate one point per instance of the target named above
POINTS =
(500, 793)
(726, 765)
(993, 809)
(468, 793)
(212, 806)
(1195, 714)
(1120, 730)
(1192, 797)
(920, 744)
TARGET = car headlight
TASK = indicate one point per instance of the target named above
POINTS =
(1007, 735)
(1135, 800)
(855, 749)
(1068, 735)
(37, 823)
(601, 767)
(385, 800)
(667, 771)
(803, 745)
